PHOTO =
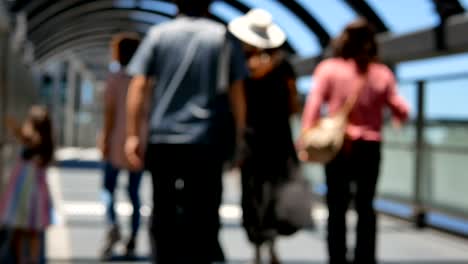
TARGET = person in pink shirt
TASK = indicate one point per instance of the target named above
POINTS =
(112, 143)
(354, 172)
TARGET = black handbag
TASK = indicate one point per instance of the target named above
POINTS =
(294, 202)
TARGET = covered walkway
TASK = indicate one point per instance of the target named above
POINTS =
(57, 53)
(80, 230)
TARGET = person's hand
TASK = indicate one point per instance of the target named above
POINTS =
(11, 123)
(301, 152)
(103, 147)
(133, 153)
(397, 124)
(303, 156)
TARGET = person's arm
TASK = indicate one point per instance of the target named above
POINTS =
(238, 106)
(289, 78)
(294, 105)
(14, 127)
(141, 67)
(135, 103)
(238, 72)
(396, 103)
(316, 97)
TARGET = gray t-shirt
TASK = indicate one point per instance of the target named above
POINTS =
(188, 113)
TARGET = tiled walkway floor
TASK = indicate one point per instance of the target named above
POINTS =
(79, 234)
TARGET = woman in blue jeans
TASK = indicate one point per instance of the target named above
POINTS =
(112, 143)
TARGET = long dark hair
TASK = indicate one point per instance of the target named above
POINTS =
(123, 46)
(41, 123)
(193, 7)
(357, 42)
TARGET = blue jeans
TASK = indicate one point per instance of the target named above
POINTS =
(110, 182)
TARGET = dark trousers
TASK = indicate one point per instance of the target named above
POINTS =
(187, 185)
(353, 174)
(111, 174)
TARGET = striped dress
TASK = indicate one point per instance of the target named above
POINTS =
(25, 203)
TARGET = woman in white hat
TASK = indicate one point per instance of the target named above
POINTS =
(271, 100)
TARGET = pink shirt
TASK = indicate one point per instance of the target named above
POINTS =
(336, 79)
(116, 95)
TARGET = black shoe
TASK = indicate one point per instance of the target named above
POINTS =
(130, 247)
(113, 236)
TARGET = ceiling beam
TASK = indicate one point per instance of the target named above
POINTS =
(55, 8)
(363, 9)
(309, 21)
(237, 5)
(73, 16)
(47, 15)
(448, 8)
(87, 41)
(412, 46)
(68, 30)
(78, 34)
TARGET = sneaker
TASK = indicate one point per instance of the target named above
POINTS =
(113, 236)
(130, 247)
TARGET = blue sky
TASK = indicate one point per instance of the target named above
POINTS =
(444, 99)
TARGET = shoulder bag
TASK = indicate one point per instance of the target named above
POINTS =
(323, 141)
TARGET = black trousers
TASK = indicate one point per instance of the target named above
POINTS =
(187, 185)
(353, 174)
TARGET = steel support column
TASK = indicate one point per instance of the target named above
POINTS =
(419, 210)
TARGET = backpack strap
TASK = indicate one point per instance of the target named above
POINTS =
(176, 80)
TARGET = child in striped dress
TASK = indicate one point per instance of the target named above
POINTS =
(25, 203)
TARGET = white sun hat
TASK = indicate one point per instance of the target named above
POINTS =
(256, 28)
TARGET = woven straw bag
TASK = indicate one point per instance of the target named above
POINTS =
(323, 141)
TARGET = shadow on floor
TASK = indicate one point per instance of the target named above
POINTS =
(146, 260)
(383, 262)
(116, 259)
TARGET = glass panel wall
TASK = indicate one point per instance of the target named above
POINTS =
(398, 156)
(446, 136)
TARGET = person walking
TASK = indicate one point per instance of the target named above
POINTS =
(194, 71)
(112, 143)
(271, 100)
(354, 71)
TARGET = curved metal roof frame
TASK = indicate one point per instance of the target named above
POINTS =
(34, 9)
(447, 8)
(63, 19)
(56, 22)
(95, 30)
(85, 42)
(58, 7)
(78, 10)
(309, 20)
(362, 8)
(120, 21)
(55, 8)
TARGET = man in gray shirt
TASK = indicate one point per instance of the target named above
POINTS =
(193, 71)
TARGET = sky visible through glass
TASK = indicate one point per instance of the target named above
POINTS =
(445, 99)
(403, 16)
(332, 14)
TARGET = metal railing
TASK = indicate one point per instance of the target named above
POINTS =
(417, 172)
(427, 171)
